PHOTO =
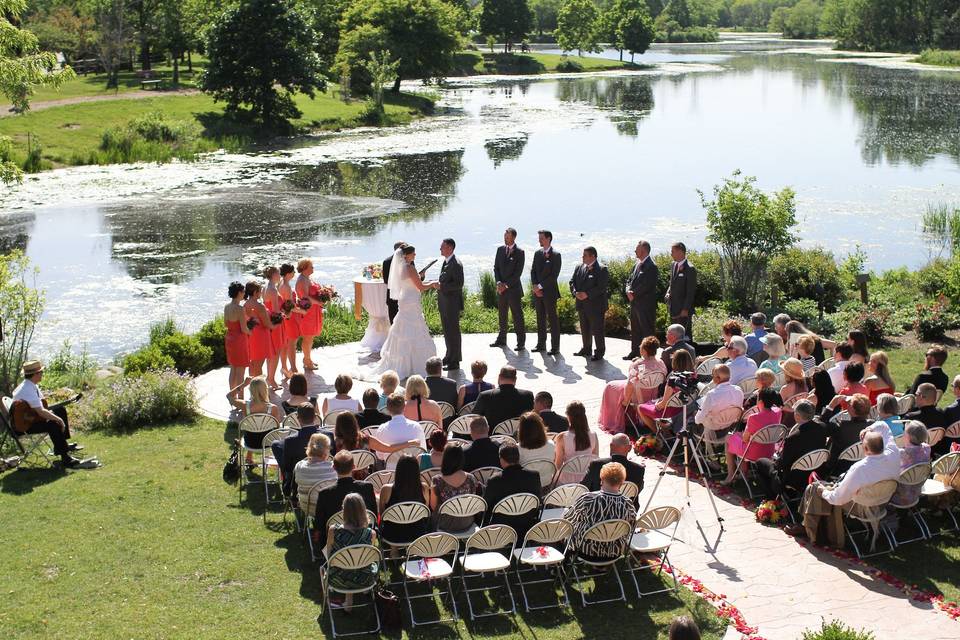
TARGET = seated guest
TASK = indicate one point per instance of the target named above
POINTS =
(259, 402)
(534, 444)
(780, 322)
(928, 413)
(619, 394)
(619, 450)
(776, 353)
(342, 400)
(482, 452)
(806, 346)
(543, 405)
(795, 329)
(441, 389)
(841, 358)
(329, 500)
(878, 380)
(514, 479)
(346, 433)
(470, 392)
(315, 467)
(935, 359)
(418, 405)
(453, 481)
(952, 411)
(822, 391)
(397, 433)
(436, 443)
(765, 379)
(758, 331)
(651, 411)
(52, 421)
(852, 385)
(888, 410)
(729, 329)
(738, 444)
(371, 416)
(596, 506)
(844, 433)
(915, 451)
(809, 434)
(504, 402)
(858, 343)
(794, 380)
(740, 366)
(578, 440)
(389, 384)
(298, 394)
(406, 487)
(292, 449)
(881, 461)
(723, 396)
(677, 341)
(355, 529)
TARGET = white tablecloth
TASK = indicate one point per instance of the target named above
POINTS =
(371, 296)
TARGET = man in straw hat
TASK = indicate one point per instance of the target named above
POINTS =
(52, 421)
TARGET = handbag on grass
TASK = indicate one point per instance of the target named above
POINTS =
(389, 607)
(231, 468)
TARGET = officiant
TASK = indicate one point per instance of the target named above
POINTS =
(450, 302)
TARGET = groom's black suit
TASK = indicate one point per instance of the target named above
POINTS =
(450, 303)
(392, 306)
(543, 275)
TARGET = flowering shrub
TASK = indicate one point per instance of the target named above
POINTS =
(875, 324)
(932, 320)
(138, 401)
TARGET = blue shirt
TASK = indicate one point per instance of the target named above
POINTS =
(755, 341)
(895, 424)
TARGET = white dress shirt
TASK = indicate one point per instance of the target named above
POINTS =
(723, 396)
(741, 368)
(397, 430)
(29, 392)
(836, 375)
(870, 470)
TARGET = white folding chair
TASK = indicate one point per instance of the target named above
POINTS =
(779, 379)
(852, 453)
(749, 412)
(457, 442)
(912, 478)
(253, 423)
(905, 403)
(545, 468)
(952, 432)
(461, 426)
(430, 559)
(378, 479)
(308, 505)
(516, 506)
(649, 380)
(544, 547)
(507, 428)
(573, 470)
(268, 462)
(330, 419)
(556, 503)
(869, 508)
(705, 368)
(466, 505)
(661, 423)
(828, 364)
(467, 408)
(483, 474)
(810, 461)
(369, 431)
(483, 554)
(502, 440)
(429, 426)
(935, 435)
(715, 431)
(394, 457)
(363, 459)
(337, 519)
(290, 421)
(630, 489)
(427, 475)
(360, 557)
(934, 489)
(402, 513)
(615, 533)
(769, 435)
(791, 402)
(748, 386)
(655, 533)
(447, 410)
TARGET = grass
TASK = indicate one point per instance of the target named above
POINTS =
(154, 545)
(939, 57)
(480, 63)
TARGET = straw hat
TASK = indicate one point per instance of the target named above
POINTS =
(793, 368)
(774, 345)
(32, 367)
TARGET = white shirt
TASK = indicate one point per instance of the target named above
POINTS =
(741, 368)
(870, 470)
(448, 258)
(723, 396)
(397, 430)
(836, 375)
(29, 392)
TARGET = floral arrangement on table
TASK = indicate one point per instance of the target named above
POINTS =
(646, 445)
(373, 272)
(323, 293)
(772, 511)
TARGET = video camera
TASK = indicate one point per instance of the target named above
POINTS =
(685, 381)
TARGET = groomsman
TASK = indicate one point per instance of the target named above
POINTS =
(682, 289)
(642, 294)
(546, 292)
(450, 302)
(508, 270)
(589, 287)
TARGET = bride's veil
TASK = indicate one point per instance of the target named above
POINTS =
(397, 274)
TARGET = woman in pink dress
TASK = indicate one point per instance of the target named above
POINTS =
(650, 411)
(291, 322)
(258, 321)
(618, 394)
(311, 322)
(235, 341)
(272, 301)
(738, 444)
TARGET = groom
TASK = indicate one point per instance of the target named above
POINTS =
(449, 288)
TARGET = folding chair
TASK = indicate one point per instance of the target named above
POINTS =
(810, 461)
(461, 426)
(502, 440)
(661, 423)
(427, 475)
(378, 479)
(363, 459)
(791, 402)
(935, 435)
(544, 547)
(630, 489)
(427, 562)
(308, 505)
(392, 459)
(560, 499)
(34, 449)
(483, 555)
(447, 410)
(545, 468)
(337, 518)
(290, 421)
(467, 408)
(483, 474)
(463, 506)
(905, 403)
(612, 532)
(369, 431)
(770, 434)
(655, 533)
(429, 426)
(748, 386)
(649, 380)
(828, 364)
(749, 412)
(253, 423)
(330, 419)
(400, 514)
(953, 431)
(517, 505)
(716, 432)
(573, 470)
(358, 557)
(779, 379)
(268, 462)
(457, 442)
(507, 428)
(869, 507)
(705, 368)
(934, 489)
(852, 453)
(913, 476)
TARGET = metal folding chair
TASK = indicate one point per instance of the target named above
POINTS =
(363, 459)
(655, 533)
(268, 462)
(353, 558)
(483, 555)
(556, 503)
(330, 419)
(770, 434)
(630, 489)
(573, 470)
(427, 475)
(460, 427)
(905, 403)
(483, 474)
(545, 468)
(914, 476)
(544, 547)
(810, 461)
(507, 428)
(649, 380)
(463, 506)
(613, 532)
(430, 559)
(392, 459)
(34, 449)
(517, 505)
(378, 479)
(253, 423)
(429, 426)
(447, 410)
(934, 489)
(402, 513)
(869, 508)
(467, 408)
(290, 421)
(502, 440)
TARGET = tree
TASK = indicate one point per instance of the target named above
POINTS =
(21, 305)
(545, 14)
(382, 70)
(615, 26)
(679, 12)
(578, 26)
(326, 17)
(263, 72)
(803, 20)
(508, 19)
(750, 228)
(62, 29)
(173, 33)
(635, 31)
(115, 43)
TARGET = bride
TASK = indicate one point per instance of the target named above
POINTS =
(408, 345)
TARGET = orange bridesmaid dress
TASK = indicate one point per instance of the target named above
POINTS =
(311, 324)
(238, 355)
(259, 342)
(277, 339)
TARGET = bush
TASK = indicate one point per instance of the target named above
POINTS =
(617, 320)
(154, 127)
(212, 335)
(162, 329)
(932, 278)
(187, 352)
(874, 321)
(836, 630)
(796, 273)
(708, 323)
(488, 290)
(148, 358)
(340, 326)
(620, 270)
(567, 312)
(371, 114)
(569, 66)
(707, 263)
(932, 320)
(133, 402)
(67, 369)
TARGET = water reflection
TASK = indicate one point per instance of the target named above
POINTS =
(504, 149)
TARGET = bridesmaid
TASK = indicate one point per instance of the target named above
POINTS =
(311, 323)
(260, 334)
(291, 323)
(271, 299)
(238, 355)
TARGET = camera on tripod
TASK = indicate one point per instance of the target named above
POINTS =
(685, 381)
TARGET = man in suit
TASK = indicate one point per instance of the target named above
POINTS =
(371, 416)
(508, 270)
(330, 500)
(642, 294)
(935, 358)
(450, 303)
(504, 402)
(392, 307)
(292, 449)
(441, 389)
(546, 292)
(589, 287)
(482, 452)
(619, 449)
(682, 289)
(543, 405)
(808, 435)
(676, 339)
(930, 415)
(514, 479)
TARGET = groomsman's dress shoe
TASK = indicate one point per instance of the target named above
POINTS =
(596, 357)
(451, 366)
(498, 343)
(445, 360)
(538, 349)
(630, 356)
(582, 352)
(553, 352)
(73, 446)
(520, 347)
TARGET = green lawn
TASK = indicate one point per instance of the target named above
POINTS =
(484, 62)
(154, 545)
(939, 57)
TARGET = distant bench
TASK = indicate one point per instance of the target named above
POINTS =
(146, 84)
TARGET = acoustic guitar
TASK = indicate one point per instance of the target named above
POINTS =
(23, 416)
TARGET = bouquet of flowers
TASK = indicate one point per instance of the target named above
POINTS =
(323, 293)
(251, 323)
(646, 445)
(772, 511)
(304, 304)
(276, 317)
(373, 272)
(287, 307)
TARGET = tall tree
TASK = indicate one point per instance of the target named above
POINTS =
(508, 19)
(614, 14)
(578, 26)
(679, 12)
(635, 31)
(174, 34)
(545, 14)
(115, 42)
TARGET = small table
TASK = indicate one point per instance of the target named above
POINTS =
(371, 295)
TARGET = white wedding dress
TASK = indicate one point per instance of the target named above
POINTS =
(408, 345)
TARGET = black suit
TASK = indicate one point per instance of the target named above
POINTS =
(643, 308)
(508, 270)
(932, 417)
(934, 376)
(680, 294)
(481, 453)
(842, 435)
(503, 403)
(544, 273)
(392, 305)
(555, 422)
(442, 390)
(330, 501)
(513, 480)
(775, 474)
(593, 282)
(371, 418)
(450, 304)
(591, 480)
(667, 354)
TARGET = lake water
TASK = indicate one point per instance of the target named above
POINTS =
(600, 160)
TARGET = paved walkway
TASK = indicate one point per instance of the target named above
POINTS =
(778, 585)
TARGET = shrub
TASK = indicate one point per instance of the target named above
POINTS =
(162, 329)
(836, 630)
(371, 114)
(874, 321)
(340, 326)
(569, 66)
(567, 312)
(133, 402)
(708, 323)
(187, 352)
(488, 290)
(67, 369)
(932, 320)
(807, 273)
(620, 269)
(802, 309)
(155, 127)
(707, 263)
(148, 358)
(933, 278)
(212, 335)
(617, 320)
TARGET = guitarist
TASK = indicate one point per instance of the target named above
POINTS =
(52, 421)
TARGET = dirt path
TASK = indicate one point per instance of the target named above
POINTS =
(136, 94)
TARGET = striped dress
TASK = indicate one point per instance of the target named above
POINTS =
(593, 508)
